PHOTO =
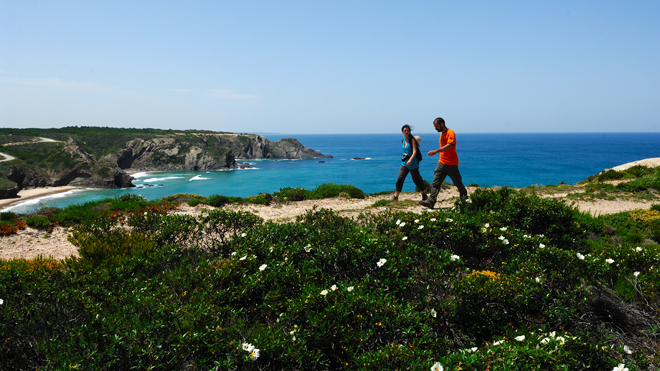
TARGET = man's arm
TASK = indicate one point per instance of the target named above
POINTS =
(441, 149)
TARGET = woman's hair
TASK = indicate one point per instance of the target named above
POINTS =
(406, 126)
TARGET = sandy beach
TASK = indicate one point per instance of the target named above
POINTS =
(33, 193)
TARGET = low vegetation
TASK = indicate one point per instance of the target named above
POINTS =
(504, 280)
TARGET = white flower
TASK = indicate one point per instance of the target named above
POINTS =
(308, 248)
(503, 229)
(627, 350)
(498, 342)
(437, 367)
(486, 225)
(145, 213)
(545, 340)
(505, 241)
(324, 292)
(416, 220)
(402, 224)
(520, 338)
(349, 288)
(333, 287)
(560, 339)
(263, 266)
(404, 238)
(234, 253)
(541, 235)
(398, 222)
(541, 245)
(483, 230)
(421, 227)
(454, 257)
(635, 274)
(243, 258)
(538, 279)
(272, 248)
(2, 301)
(474, 349)
(620, 367)
(293, 338)
(580, 256)
(432, 219)
(247, 347)
(525, 236)
(243, 234)
(609, 261)
(501, 238)
(381, 262)
(433, 313)
(254, 354)
(638, 248)
(449, 220)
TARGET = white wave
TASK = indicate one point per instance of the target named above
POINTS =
(140, 175)
(38, 200)
(161, 179)
(198, 177)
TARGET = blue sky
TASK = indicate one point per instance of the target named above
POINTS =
(307, 67)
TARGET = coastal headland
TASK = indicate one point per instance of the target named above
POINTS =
(105, 157)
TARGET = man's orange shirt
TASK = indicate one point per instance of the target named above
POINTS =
(448, 157)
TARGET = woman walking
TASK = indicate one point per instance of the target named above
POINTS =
(409, 163)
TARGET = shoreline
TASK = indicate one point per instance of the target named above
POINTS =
(28, 194)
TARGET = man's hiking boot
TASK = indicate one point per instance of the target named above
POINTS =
(426, 204)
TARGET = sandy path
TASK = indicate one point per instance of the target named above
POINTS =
(31, 243)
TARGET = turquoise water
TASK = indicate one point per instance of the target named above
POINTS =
(517, 160)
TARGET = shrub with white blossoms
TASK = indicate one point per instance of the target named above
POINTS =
(254, 352)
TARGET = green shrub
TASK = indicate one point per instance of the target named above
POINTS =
(655, 207)
(8, 215)
(38, 221)
(261, 199)
(193, 202)
(329, 190)
(220, 200)
(292, 194)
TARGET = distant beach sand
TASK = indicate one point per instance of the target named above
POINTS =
(34, 193)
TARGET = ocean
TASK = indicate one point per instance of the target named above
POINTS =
(371, 163)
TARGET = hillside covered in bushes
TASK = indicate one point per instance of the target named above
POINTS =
(504, 280)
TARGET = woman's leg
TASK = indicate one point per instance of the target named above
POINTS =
(403, 172)
(419, 182)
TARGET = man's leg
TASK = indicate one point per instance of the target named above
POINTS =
(438, 177)
(455, 177)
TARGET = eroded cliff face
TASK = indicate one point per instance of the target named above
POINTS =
(205, 152)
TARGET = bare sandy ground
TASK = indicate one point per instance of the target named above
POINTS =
(31, 243)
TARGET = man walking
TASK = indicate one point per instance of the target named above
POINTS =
(447, 165)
